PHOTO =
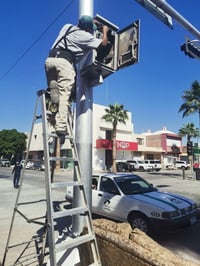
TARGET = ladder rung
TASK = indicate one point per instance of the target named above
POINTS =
(25, 242)
(65, 184)
(63, 159)
(78, 210)
(54, 135)
(74, 242)
(31, 202)
(30, 257)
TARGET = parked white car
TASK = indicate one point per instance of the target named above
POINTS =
(29, 165)
(140, 165)
(4, 162)
(129, 198)
(156, 164)
(182, 165)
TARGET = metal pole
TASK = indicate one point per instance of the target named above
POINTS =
(174, 14)
(83, 135)
(86, 7)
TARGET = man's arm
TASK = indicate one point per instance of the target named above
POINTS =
(104, 40)
(13, 170)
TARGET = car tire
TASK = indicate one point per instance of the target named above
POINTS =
(140, 221)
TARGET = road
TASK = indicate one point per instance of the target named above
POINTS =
(184, 242)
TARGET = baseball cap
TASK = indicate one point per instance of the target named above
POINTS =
(86, 22)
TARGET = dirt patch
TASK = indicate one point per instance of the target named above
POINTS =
(120, 245)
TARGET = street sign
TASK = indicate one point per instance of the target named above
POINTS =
(196, 150)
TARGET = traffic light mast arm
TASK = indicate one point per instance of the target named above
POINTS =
(170, 11)
(174, 14)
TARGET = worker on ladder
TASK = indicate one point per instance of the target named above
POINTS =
(71, 45)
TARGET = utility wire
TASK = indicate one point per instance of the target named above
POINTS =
(36, 41)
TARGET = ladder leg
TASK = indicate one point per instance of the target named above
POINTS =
(35, 117)
(48, 179)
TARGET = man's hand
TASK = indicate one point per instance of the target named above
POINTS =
(105, 28)
(105, 37)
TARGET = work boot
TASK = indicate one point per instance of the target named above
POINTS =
(61, 134)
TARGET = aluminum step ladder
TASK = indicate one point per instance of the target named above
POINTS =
(56, 243)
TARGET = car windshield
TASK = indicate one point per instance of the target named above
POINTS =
(133, 185)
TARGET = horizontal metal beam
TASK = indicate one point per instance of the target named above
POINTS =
(157, 12)
(174, 14)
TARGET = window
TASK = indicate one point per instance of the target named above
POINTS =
(107, 185)
(140, 141)
(109, 134)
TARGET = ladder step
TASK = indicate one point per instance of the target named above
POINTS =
(65, 184)
(74, 242)
(78, 210)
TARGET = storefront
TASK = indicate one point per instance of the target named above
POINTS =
(103, 153)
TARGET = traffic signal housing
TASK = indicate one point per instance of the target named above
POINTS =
(191, 48)
(189, 147)
(122, 51)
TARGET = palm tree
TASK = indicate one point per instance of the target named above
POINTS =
(189, 131)
(115, 114)
(191, 100)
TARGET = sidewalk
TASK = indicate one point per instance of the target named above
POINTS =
(166, 180)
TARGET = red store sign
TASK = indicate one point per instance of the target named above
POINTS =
(120, 145)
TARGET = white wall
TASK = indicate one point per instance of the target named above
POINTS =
(124, 132)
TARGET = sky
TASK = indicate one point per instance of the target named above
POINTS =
(151, 90)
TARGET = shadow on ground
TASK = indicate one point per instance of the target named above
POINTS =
(5, 177)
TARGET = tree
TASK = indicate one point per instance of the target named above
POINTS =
(12, 143)
(191, 100)
(115, 114)
(189, 131)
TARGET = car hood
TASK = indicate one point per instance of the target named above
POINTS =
(164, 200)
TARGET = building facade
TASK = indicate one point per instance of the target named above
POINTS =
(162, 145)
(102, 143)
